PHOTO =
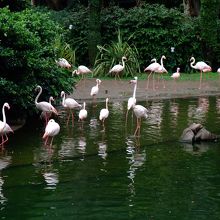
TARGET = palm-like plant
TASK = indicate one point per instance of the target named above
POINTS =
(110, 55)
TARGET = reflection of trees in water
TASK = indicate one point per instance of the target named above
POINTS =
(155, 114)
(102, 151)
(4, 162)
(198, 113)
(196, 149)
(174, 111)
(218, 104)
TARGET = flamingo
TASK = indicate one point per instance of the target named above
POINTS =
(151, 68)
(51, 130)
(104, 113)
(83, 112)
(117, 69)
(81, 70)
(4, 127)
(161, 69)
(176, 75)
(140, 112)
(218, 70)
(69, 104)
(95, 89)
(132, 100)
(44, 106)
(62, 62)
(43, 114)
(202, 66)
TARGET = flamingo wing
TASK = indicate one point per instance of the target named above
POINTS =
(103, 114)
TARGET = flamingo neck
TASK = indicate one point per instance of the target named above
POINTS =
(4, 117)
(63, 100)
(50, 99)
(38, 95)
(84, 105)
(161, 61)
(134, 92)
(106, 104)
(192, 62)
(123, 63)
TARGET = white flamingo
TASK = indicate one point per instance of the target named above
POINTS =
(152, 68)
(4, 127)
(83, 112)
(48, 114)
(175, 76)
(95, 89)
(162, 69)
(132, 100)
(117, 69)
(140, 112)
(104, 113)
(218, 70)
(81, 70)
(51, 130)
(69, 104)
(201, 66)
(44, 106)
(62, 62)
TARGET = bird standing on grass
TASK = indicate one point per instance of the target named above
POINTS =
(44, 106)
(4, 127)
(117, 69)
(201, 66)
(51, 130)
(81, 70)
(69, 104)
(175, 76)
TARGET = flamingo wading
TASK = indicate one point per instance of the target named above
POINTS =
(104, 113)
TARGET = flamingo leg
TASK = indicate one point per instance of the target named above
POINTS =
(126, 120)
(153, 82)
(136, 128)
(72, 117)
(139, 133)
(45, 143)
(200, 81)
(4, 141)
(68, 117)
(51, 141)
(163, 81)
(148, 78)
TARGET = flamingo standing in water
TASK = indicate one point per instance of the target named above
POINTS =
(43, 114)
(132, 100)
(202, 66)
(62, 62)
(104, 113)
(69, 104)
(95, 89)
(152, 68)
(117, 69)
(44, 106)
(175, 76)
(4, 127)
(83, 113)
(140, 112)
(51, 130)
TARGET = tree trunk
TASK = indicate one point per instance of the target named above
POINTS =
(94, 34)
(191, 7)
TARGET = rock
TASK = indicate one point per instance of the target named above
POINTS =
(187, 136)
(204, 135)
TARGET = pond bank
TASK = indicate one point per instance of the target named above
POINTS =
(122, 90)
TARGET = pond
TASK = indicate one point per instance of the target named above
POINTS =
(89, 173)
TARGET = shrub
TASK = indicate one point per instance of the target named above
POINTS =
(27, 58)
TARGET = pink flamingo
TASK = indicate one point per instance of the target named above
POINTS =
(95, 89)
(69, 104)
(202, 66)
(51, 130)
(62, 62)
(132, 100)
(4, 127)
(83, 113)
(161, 69)
(176, 75)
(81, 70)
(104, 113)
(44, 114)
(152, 68)
(218, 70)
(140, 112)
(44, 106)
(117, 69)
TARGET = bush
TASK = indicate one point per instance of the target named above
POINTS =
(27, 58)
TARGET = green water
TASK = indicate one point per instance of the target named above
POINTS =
(94, 174)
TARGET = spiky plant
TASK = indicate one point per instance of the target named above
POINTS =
(110, 55)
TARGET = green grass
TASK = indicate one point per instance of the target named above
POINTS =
(183, 76)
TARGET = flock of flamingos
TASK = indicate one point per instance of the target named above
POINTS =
(52, 128)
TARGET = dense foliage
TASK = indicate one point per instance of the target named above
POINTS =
(27, 58)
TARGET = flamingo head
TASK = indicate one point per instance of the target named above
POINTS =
(134, 81)
(52, 99)
(98, 81)
(192, 59)
(154, 60)
(37, 88)
(7, 105)
(124, 58)
(163, 57)
(107, 99)
(62, 93)
(74, 72)
(178, 69)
